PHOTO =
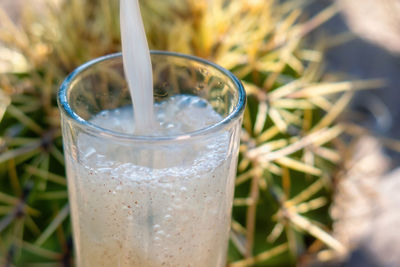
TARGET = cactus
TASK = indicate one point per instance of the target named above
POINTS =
(287, 155)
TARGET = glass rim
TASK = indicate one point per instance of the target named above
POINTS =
(86, 126)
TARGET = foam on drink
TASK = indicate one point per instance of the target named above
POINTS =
(174, 210)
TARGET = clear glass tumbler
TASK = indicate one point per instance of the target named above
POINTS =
(150, 200)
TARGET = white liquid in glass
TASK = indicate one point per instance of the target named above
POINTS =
(150, 207)
(172, 209)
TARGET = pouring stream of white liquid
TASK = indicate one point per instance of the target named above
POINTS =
(137, 66)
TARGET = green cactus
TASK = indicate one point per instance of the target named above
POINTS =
(287, 155)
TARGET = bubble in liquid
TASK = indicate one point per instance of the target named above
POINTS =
(201, 103)
(184, 102)
(161, 232)
(183, 189)
(91, 151)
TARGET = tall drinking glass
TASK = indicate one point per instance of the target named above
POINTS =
(150, 200)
